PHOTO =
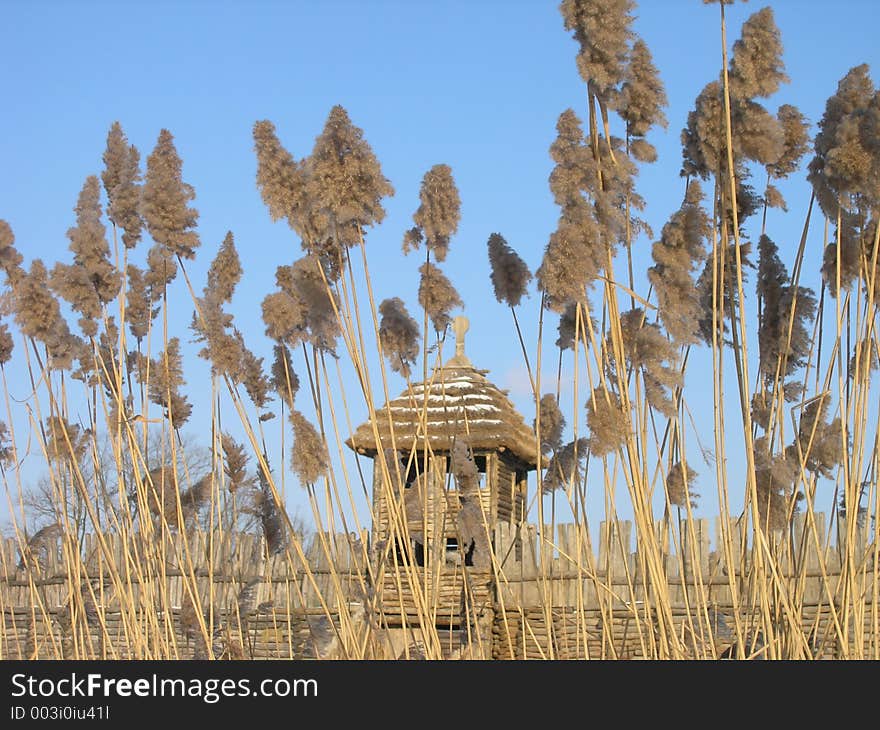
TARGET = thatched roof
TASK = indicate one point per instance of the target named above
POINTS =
(461, 402)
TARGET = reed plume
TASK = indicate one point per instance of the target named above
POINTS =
(272, 521)
(818, 438)
(225, 271)
(121, 178)
(7, 344)
(345, 180)
(10, 258)
(437, 295)
(161, 271)
(235, 462)
(575, 254)
(641, 102)
(91, 281)
(165, 201)
(166, 380)
(775, 479)
(304, 308)
(281, 180)
(646, 348)
(566, 465)
(795, 145)
(510, 275)
(567, 328)
(845, 170)
(777, 342)
(284, 381)
(438, 214)
(677, 256)
(680, 485)
(756, 67)
(66, 442)
(602, 31)
(552, 423)
(609, 424)
(399, 335)
(253, 377)
(38, 315)
(139, 311)
(309, 458)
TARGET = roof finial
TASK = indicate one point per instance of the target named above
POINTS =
(460, 326)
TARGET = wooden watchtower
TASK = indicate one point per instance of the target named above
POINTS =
(421, 520)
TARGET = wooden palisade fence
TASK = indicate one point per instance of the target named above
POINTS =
(549, 594)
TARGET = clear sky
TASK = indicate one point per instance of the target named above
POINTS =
(477, 85)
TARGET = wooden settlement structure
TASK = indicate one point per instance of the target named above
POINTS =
(421, 516)
(452, 569)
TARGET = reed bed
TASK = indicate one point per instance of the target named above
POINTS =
(140, 543)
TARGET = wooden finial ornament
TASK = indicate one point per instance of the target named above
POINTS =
(460, 326)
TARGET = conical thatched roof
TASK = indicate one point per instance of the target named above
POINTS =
(461, 402)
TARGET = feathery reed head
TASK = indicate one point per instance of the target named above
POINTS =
(165, 201)
(399, 335)
(775, 479)
(820, 441)
(271, 519)
(552, 423)
(510, 275)
(608, 422)
(437, 295)
(309, 458)
(7, 452)
(139, 311)
(7, 344)
(284, 318)
(646, 347)
(235, 461)
(702, 138)
(319, 303)
(680, 485)
(280, 178)
(568, 326)
(166, 379)
(224, 272)
(761, 408)
(756, 68)
(92, 280)
(796, 141)
(412, 239)
(565, 466)
(439, 211)
(717, 294)
(161, 271)
(571, 263)
(344, 180)
(602, 31)
(66, 442)
(843, 170)
(38, 315)
(576, 251)
(285, 382)
(10, 258)
(782, 304)
(641, 101)
(121, 178)
(250, 374)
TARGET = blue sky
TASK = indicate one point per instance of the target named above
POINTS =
(477, 85)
